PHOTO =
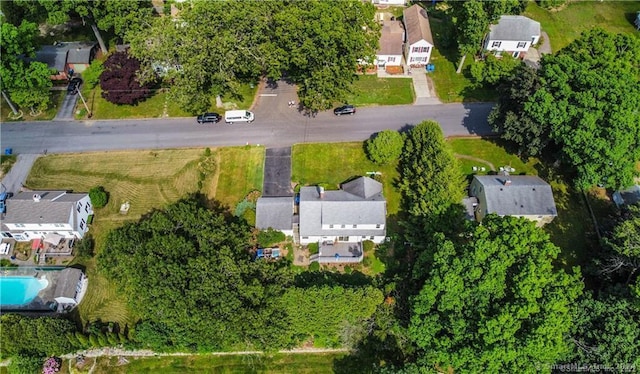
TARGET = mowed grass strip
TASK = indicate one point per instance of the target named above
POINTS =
(566, 25)
(147, 180)
(335, 163)
(371, 90)
(276, 363)
(490, 150)
(240, 171)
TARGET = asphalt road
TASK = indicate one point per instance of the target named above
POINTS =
(271, 131)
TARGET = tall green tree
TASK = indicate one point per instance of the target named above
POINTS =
(430, 180)
(494, 302)
(191, 277)
(385, 147)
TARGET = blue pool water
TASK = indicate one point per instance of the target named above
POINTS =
(20, 290)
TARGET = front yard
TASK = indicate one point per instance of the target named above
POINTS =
(370, 90)
(54, 104)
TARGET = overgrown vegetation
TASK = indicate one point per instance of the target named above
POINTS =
(269, 237)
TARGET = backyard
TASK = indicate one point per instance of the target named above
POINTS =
(147, 180)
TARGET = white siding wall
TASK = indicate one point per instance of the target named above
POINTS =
(419, 58)
(508, 46)
(384, 60)
(370, 226)
(86, 209)
(351, 239)
(39, 227)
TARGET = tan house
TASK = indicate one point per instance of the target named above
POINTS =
(391, 40)
(513, 195)
(419, 41)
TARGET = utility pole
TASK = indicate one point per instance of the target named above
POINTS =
(13, 107)
(85, 103)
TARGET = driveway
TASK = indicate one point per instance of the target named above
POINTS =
(277, 172)
(423, 88)
(19, 172)
(65, 113)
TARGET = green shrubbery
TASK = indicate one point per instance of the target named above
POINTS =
(269, 237)
(385, 147)
(98, 196)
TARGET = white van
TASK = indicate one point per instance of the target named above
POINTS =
(232, 116)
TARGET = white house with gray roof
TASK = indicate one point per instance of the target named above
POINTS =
(355, 213)
(513, 35)
(419, 40)
(514, 195)
(275, 213)
(34, 214)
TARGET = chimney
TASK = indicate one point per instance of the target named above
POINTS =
(36, 197)
(321, 191)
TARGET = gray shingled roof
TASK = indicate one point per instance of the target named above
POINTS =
(67, 283)
(343, 208)
(274, 212)
(416, 24)
(391, 38)
(53, 207)
(514, 28)
(57, 55)
(526, 195)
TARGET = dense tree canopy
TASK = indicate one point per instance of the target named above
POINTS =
(385, 147)
(494, 302)
(34, 336)
(215, 45)
(119, 80)
(586, 106)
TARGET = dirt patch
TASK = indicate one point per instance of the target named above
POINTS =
(300, 256)
(394, 70)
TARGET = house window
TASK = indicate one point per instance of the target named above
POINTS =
(496, 44)
(516, 54)
(372, 237)
(420, 49)
(391, 59)
(20, 225)
(342, 226)
(330, 226)
(522, 45)
(305, 237)
(377, 226)
(364, 237)
(79, 206)
(343, 238)
(355, 226)
(86, 208)
(81, 225)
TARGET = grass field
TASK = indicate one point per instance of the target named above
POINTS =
(148, 180)
(371, 90)
(56, 99)
(334, 163)
(276, 363)
(6, 162)
(565, 25)
(157, 106)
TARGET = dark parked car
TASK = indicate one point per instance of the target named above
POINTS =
(209, 117)
(74, 85)
(346, 109)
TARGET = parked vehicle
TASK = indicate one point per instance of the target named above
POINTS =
(232, 116)
(209, 118)
(74, 85)
(345, 109)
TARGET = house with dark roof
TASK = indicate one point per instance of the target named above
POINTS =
(513, 35)
(64, 56)
(628, 196)
(37, 214)
(275, 213)
(391, 41)
(419, 40)
(513, 195)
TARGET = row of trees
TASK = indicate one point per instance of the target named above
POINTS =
(214, 46)
(580, 107)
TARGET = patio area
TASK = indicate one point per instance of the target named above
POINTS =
(337, 252)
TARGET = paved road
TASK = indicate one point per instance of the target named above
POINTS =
(272, 131)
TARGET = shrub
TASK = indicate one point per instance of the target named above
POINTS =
(91, 75)
(6, 263)
(314, 266)
(268, 237)
(84, 247)
(368, 245)
(494, 70)
(313, 248)
(98, 196)
(24, 363)
(385, 147)
(243, 206)
(348, 269)
(119, 81)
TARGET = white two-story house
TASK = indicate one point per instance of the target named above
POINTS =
(419, 41)
(513, 35)
(34, 214)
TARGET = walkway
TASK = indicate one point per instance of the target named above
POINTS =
(467, 157)
(101, 352)
(277, 173)
(15, 178)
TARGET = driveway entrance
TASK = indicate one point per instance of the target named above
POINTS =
(277, 173)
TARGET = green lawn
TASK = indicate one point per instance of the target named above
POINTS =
(332, 164)
(566, 25)
(6, 162)
(157, 106)
(371, 90)
(276, 363)
(56, 99)
(450, 86)
(147, 180)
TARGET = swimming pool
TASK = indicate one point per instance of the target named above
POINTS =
(20, 290)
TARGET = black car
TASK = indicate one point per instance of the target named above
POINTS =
(209, 117)
(345, 109)
(74, 85)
